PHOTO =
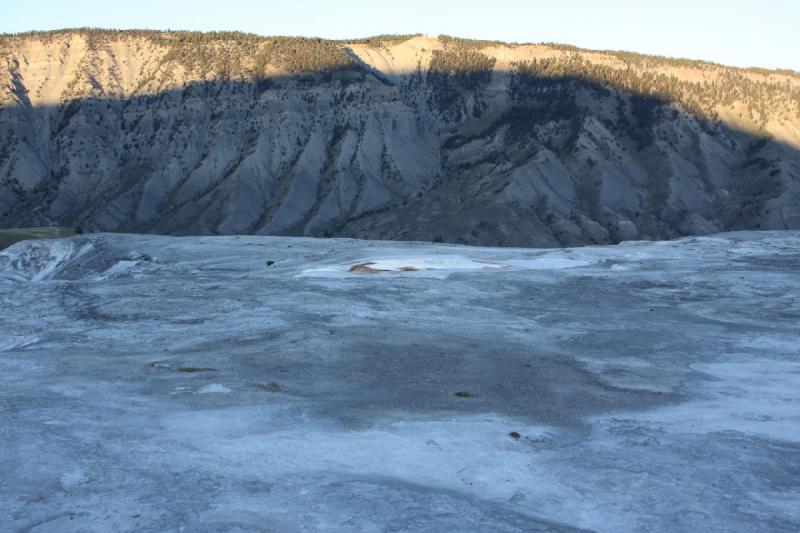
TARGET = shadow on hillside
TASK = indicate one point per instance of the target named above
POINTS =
(126, 139)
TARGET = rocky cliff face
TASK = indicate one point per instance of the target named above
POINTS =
(392, 138)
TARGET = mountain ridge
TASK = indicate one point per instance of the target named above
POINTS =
(393, 38)
(399, 137)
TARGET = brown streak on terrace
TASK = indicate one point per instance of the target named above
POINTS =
(366, 268)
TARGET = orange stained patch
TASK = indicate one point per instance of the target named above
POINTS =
(367, 268)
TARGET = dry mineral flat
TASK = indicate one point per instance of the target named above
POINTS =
(284, 384)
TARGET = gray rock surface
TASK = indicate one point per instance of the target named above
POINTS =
(164, 384)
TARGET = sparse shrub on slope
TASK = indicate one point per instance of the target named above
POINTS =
(642, 77)
(459, 44)
(302, 56)
(382, 40)
(454, 73)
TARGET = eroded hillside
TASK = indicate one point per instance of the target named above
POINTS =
(389, 137)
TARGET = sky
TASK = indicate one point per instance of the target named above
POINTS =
(745, 33)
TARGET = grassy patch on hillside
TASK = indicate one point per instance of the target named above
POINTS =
(11, 236)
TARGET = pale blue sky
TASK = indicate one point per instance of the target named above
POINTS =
(762, 33)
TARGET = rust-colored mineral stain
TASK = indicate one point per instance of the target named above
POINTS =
(365, 268)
